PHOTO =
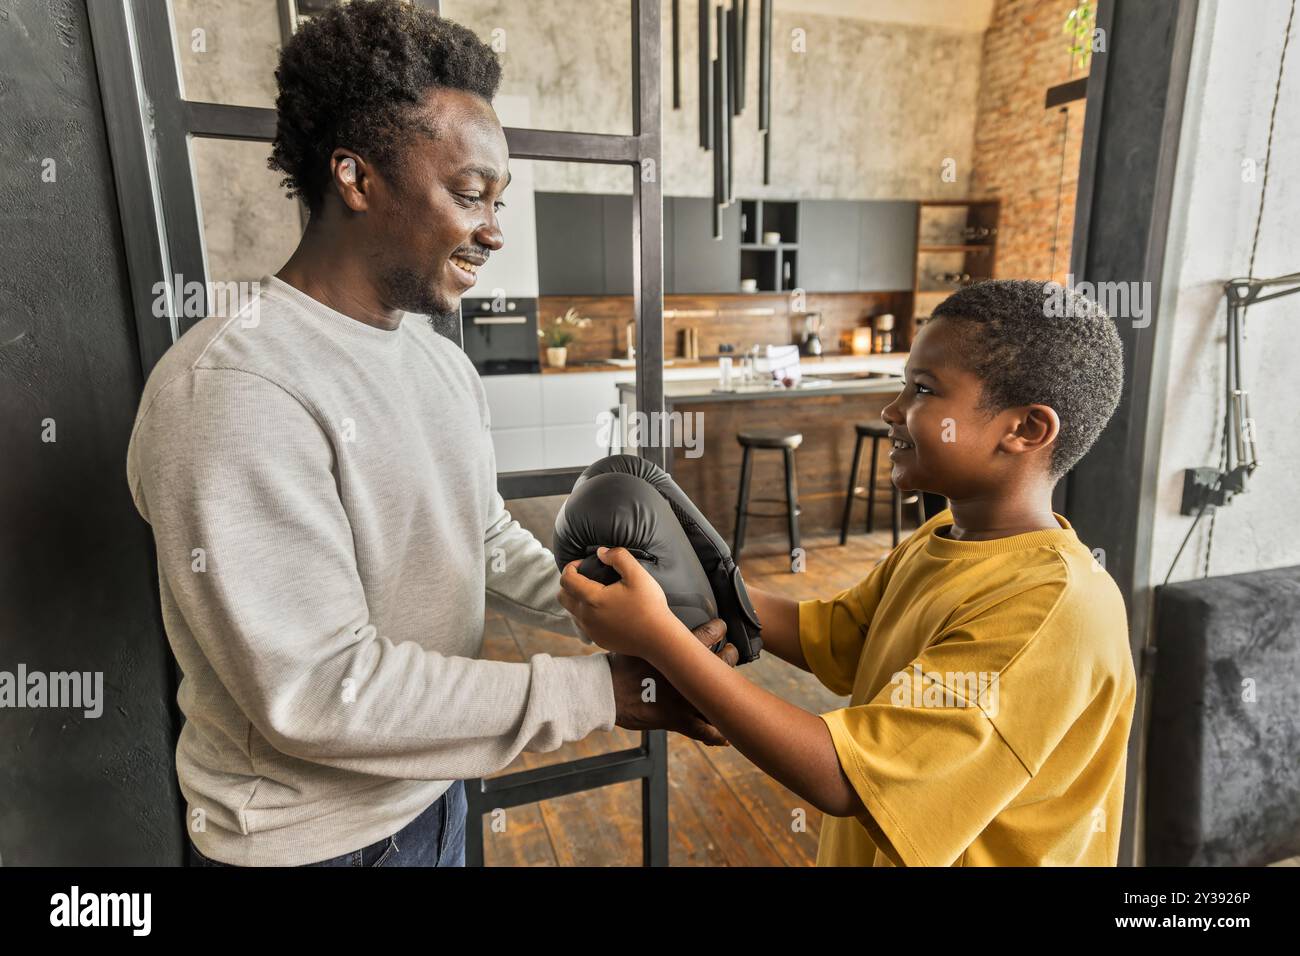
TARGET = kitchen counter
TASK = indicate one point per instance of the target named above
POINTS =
(702, 391)
(707, 464)
(683, 369)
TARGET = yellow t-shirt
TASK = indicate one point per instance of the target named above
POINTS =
(992, 694)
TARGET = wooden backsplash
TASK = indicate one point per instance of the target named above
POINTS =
(841, 313)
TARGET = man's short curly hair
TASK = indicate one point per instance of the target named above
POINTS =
(1040, 343)
(349, 77)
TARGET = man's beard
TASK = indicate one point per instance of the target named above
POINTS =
(406, 290)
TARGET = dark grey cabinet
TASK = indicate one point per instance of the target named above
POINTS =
(702, 264)
(570, 243)
(670, 268)
(584, 244)
(619, 250)
(829, 236)
(616, 217)
(886, 245)
(856, 245)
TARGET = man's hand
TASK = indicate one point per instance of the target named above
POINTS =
(657, 705)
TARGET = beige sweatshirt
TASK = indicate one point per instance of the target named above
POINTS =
(323, 499)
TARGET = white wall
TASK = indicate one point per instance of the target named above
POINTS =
(1233, 73)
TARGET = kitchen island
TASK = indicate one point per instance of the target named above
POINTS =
(706, 463)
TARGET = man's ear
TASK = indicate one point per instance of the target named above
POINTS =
(351, 178)
(1035, 427)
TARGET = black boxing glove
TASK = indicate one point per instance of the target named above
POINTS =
(627, 501)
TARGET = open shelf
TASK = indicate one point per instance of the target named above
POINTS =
(956, 246)
(760, 263)
(772, 265)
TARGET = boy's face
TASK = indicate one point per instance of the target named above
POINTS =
(952, 447)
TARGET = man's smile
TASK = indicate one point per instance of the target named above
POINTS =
(465, 269)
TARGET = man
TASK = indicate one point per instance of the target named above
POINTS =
(319, 476)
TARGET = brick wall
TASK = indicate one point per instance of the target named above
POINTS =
(1019, 145)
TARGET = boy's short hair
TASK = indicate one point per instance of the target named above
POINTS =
(1037, 343)
(350, 75)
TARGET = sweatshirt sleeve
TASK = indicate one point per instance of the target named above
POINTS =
(236, 477)
(523, 581)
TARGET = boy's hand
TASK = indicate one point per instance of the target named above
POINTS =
(630, 616)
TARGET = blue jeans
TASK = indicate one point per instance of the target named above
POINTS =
(435, 838)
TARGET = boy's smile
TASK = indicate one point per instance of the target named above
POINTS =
(899, 443)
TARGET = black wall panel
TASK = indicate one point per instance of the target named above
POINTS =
(78, 588)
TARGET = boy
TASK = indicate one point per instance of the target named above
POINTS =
(987, 656)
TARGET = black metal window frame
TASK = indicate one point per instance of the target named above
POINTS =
(1136, 91)
(150, 127)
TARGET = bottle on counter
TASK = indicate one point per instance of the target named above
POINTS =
(724, 371)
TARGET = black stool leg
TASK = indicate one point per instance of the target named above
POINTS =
(742, 502)
(853, 484)
(871, 486)
(896, 499)
(792, 500)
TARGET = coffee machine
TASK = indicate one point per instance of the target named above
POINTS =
(811, 343)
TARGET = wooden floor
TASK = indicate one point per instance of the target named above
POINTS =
(722, 810)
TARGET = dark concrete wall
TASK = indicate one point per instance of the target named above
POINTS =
(78, 589)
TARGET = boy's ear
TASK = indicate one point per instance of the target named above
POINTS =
(1034, 427)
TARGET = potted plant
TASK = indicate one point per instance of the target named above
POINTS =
(557, 336)
(1079, 27)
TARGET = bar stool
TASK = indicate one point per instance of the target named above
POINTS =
(615, 430)
(877, 432)
(763, 439)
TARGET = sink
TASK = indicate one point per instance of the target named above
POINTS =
(806, 382)
(854, 376)
(624, 362)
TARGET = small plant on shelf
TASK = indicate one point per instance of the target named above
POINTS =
(557, 336)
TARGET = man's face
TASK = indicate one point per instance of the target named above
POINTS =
(950, 443)
(437, 216)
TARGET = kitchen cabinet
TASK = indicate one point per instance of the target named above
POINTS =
(584, 243)
(887, 245)
(856, 246)
(519, 449)
(574, 407)
(571, 243)
(573, 398)
(829, 237)
(574, 446)
(616, 221)
(550, 421)
(616, 216)
(702, 264)
(514, 401)
(515, 409)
